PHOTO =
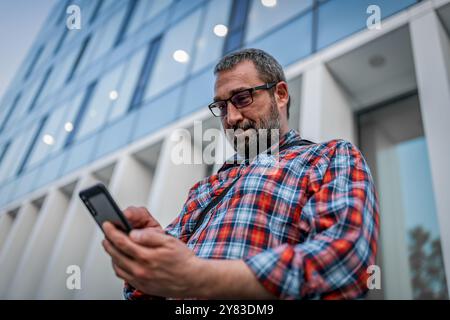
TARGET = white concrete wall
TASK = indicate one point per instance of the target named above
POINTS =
(130, 185)
(17, 240)
(325, 111)
(39, 247)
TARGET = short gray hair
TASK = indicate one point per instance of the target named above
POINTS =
(269, 69)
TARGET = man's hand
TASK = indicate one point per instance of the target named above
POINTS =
(151, 261)
(140, 218)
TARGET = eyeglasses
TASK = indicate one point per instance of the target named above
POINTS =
(240, 100)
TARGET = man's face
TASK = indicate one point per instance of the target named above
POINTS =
(244, 126)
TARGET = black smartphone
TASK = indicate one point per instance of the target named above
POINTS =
(102, 207)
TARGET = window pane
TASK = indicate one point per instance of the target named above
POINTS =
(145, 11)
(167, 71)
(47, 137)
(15, 153)
(297, 33)
(209, 45)
(338, 19)
(98, 109)
(262, 19)
(68, 121)
(127, 85)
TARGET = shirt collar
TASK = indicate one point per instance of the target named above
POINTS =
(237, 159)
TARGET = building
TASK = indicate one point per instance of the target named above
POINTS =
(101, 102)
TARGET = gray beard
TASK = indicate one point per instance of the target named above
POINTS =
(250, 138)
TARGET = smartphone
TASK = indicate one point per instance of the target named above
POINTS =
(102, 207)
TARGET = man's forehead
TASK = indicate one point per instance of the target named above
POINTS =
(241, 76)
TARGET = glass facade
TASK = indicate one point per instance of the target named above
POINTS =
(136, 66)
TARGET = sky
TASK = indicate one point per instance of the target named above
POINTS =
(20, 23)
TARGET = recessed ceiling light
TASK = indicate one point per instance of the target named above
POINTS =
(377, 61)
(181, 56)
(48, 139)
(113, 95)
(269, 3)
(68, 126)
(220, 30)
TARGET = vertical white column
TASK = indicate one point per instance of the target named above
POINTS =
(431, 49)
(130, 185)
(70, 248)
(38, 250)
(325, 111)
(172, 181)
(396, 275)
(14, 245)
(6, 221)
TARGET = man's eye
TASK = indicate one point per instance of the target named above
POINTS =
(241, 97)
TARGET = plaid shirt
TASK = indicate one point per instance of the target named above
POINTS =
(306, 223)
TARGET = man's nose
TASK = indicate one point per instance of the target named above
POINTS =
(233, 115)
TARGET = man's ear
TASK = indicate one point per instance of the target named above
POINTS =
(281, 95)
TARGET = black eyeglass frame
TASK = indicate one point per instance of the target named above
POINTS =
(213, 105)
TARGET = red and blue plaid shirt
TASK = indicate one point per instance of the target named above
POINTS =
(306, 223)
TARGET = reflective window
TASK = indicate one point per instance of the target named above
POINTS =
(262, 18)
(393, 142)
(16, 152)
(103, 40)
(208, 46)
(174, 56)
(340, 18)
(127, 85)
(145, 11)
(103, 96)
(61, 71)
(298, 34)
(55, 131)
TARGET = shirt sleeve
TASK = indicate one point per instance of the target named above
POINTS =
(341, 215)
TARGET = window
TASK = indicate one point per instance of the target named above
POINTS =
(55, 131)
(145, 11)
(33, 61)
(209, 46)
(297, 34)
(61, 69)
(127, 85)
(80, 113)
(10, 111)
(78, 59)
(41, 88)
(102, 41)
(16, 152)
(338, 19)
(393, 142)
(175, 54)
(3, 151)
(125, 21)
(261, 18)
(104, 95)
(32, 145)
(145, 73)
(237, 24)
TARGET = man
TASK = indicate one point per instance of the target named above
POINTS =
(304, 227)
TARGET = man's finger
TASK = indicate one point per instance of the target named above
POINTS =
(121, 273)
(121, 242)
(118, 258)
(149, 237)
